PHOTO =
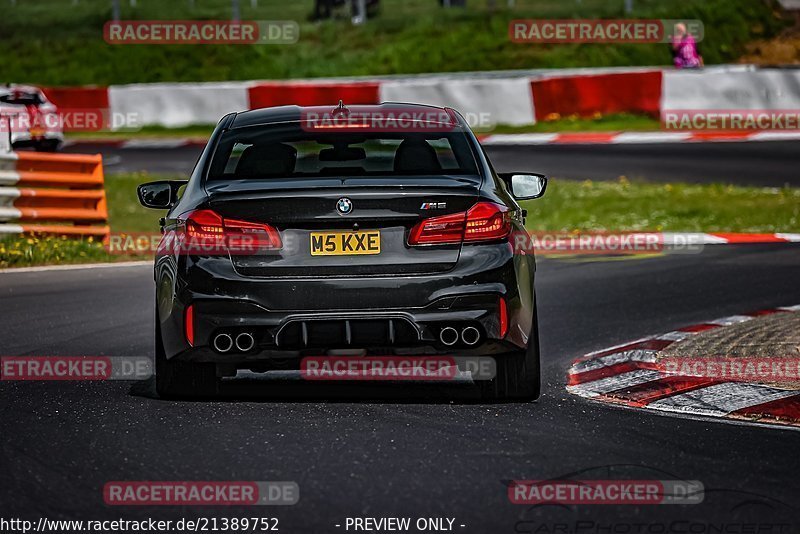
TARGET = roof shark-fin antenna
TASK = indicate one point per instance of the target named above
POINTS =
(341, 109)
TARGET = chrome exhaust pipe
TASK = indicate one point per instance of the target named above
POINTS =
(470, 336)
(245, 341)
(448, 336)
(222, 343)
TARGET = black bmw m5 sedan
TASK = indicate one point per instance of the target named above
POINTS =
(364, 231)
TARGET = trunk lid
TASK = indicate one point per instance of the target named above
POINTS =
(304, 211)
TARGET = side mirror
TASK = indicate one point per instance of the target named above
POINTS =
(159, 195)
(525, 186)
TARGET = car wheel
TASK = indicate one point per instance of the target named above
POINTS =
(182, 379)
(518, 374)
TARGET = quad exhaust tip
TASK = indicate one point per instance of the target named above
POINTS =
(223, 343)
(245, 341)
(470, 336)
(448, 336)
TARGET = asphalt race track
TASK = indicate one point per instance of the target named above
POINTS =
(771, 164)
(418, 451)
(386, 450)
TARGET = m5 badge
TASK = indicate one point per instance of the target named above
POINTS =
(433, 206)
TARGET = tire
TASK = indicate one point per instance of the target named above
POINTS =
(518, 373)
(182, 379)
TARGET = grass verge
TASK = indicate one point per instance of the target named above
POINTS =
(623, 205)
(568, 206)
(620, 122)
(57, 42)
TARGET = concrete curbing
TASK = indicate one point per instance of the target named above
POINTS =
(627, 375)
(495, 97)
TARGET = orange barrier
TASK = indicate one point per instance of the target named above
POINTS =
(64, 194)
(629, 92)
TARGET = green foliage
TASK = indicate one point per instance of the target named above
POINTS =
(623, 205)
(53, 42)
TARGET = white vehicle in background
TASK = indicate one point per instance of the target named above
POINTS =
(32, 120)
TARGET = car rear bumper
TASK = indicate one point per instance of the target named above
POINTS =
(295, 317)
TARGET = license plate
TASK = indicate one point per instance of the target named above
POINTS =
(345, 243)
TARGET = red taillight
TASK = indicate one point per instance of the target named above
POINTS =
(207, 229)
(243, 234)
(438, 230)
(503, 316)
(204, 224)
(485, 221)
(188, 325)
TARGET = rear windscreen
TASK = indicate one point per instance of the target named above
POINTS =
(287, 150)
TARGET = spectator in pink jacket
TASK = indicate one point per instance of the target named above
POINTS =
(684, 49)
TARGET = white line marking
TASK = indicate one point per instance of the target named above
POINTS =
(733, 319)
(612, 383)
(794, 238)
(613, 359)
(774, 136)
(154, 143)
(720, 399)
(519, 139)
(651, 137)
(676, 336)
(691, 238)
(45, 268)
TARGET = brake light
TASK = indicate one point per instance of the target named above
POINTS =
(204, 224)
(485, 221)
(208, 229)
(243, 234)
(503, 316)
(188, 325)
(439, 230)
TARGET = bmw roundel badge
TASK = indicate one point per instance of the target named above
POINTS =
(344, 206)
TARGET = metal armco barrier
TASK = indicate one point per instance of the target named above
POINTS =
(52, 194)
